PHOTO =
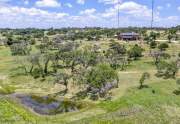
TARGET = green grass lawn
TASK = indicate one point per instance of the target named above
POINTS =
(136, 106)
(141, 106)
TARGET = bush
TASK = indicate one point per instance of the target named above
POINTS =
(153, 45)
(167, 70)
(101, 74)
(32, 41)
(37, 73)
(144, 76)
(135, 52)
(163, 46)
(177, 92)
(101, 79)
(178, 81)
(20, 49)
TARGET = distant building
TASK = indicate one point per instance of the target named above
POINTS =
(129, 36)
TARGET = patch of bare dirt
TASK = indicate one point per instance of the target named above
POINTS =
(3, 77)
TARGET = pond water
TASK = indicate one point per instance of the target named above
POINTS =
(47, 105)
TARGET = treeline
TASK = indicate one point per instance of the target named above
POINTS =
(95, 33)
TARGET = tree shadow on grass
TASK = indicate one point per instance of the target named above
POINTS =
(14, 72)
(144, 86)
(176, 92)
(150, 63)
(60, 93)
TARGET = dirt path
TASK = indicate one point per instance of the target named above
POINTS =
(3, 77)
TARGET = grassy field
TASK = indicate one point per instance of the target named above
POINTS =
(155, 104)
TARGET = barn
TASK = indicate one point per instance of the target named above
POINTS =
(129, 36)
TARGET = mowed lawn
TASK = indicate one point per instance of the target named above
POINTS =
(155, 104)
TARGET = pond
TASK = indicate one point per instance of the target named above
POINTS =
(46, 105)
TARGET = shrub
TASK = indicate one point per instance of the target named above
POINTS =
(167, 70)
(101, 79)
(144, 76)
(101, 74)
(153, 45)
(178, 81)
(163, 46)
(135, 52)
(177, 91)
(37, 73)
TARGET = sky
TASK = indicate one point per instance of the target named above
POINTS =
(90, 13)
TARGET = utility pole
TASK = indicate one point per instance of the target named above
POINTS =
(152, 18)
(118, 13)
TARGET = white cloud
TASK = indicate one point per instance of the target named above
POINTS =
(88, 11)
(168, 5)
(131, 14)
(26, 2)
(47, 3)
(15, 16)
(109, 1)
(129, 8)
(81, 2)
(132, 7)
(159, 7)
(68, 5)
(21, 11)
(173, 18)
(178, 8)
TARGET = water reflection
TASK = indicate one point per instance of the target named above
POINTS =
(47, 105)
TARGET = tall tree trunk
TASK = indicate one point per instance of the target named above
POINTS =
(31, 69)
(72, 66)
(25, 70)
(46, 66)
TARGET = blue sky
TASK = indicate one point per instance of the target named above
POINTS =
(81, 13)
